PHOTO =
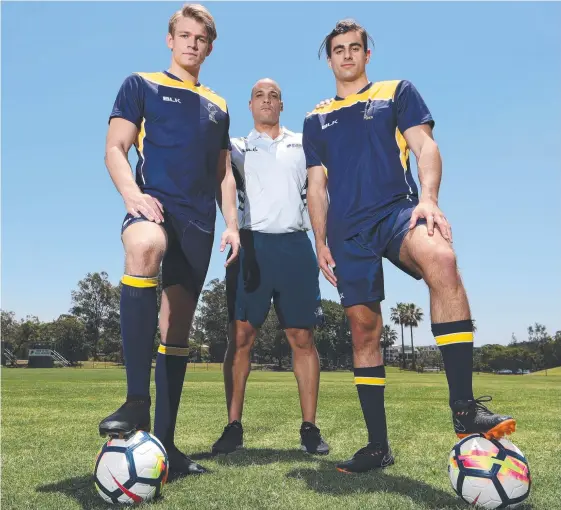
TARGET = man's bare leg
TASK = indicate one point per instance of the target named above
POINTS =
(305, 362)
(306, 370)
(434, 259)
(237, 366)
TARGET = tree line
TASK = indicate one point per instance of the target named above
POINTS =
(91, 330)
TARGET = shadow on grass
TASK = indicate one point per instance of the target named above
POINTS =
(256, 457)
(83, 491)
(327, 480)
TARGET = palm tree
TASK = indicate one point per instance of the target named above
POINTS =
(399, 316)
(414, 315)
(389, 337)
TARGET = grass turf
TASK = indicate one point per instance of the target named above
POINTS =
(49, 440)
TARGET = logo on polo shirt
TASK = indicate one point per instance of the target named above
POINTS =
(249, 149)
(295, 145)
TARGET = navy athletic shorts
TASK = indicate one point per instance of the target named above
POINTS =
(358, 260)
(188, 255)
(278, 267)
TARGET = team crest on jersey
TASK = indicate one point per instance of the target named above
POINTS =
(369, 110)
(212, 111)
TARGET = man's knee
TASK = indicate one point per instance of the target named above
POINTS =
(301, 340)
(441, 268)
(144, 248)
(366, 332)
(177, 309)
(242, 336)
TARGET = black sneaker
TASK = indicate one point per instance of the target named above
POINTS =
(472, 417)
(372, 456)
(230, 440)
(133, 415)
(311, 440)
(180, 464)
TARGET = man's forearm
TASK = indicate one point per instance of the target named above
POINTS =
(120, 171)
(429, 165)
(226, 199)
(317, 207)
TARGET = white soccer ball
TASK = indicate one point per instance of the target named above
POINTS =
(131, 470)
(489, 473)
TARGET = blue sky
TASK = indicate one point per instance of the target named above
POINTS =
(489, 72)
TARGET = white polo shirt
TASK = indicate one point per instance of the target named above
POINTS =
(271, 179)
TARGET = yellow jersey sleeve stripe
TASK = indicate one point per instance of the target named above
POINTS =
(454, 338)
(173, 351)
(141, 136)
(403, 149)
(166, 81)
(379, 91)
(371, 381)
(135, 281)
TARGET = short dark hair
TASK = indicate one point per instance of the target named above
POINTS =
(342, 27)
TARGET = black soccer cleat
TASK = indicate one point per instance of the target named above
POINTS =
(372, 456)
(472, 417)
(181, 465)
(311, 440)
(230, 440)
(133, 415)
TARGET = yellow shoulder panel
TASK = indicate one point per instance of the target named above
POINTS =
(166, 81)
(380, 91)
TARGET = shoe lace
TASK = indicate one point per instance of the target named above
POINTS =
(478, 403)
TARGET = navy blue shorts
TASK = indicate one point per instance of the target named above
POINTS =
(278, 267)
(188, 255)
(358, 260)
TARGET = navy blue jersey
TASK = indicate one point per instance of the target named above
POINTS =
(359, 141)
(182, 129)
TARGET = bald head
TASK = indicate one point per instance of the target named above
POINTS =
(265, 84)
(265, 103)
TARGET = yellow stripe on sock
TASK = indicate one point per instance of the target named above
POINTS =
(371, 381)
(173, 351)
(454, 338)
(141, 282)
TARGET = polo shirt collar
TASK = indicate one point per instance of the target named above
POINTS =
(256, 135)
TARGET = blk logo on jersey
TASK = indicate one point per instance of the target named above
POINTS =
(171, 99)
(329, 124)
(250, 149)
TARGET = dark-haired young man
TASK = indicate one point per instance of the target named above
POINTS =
(357, 148)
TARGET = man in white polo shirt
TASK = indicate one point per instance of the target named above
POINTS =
(276, 262)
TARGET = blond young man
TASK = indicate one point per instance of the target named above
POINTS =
(180, 132)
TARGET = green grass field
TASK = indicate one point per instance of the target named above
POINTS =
(49, 440)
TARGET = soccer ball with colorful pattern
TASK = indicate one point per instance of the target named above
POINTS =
(489, 473)
(131, 470)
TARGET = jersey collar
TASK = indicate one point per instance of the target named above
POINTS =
(364, 89)
(173, 77)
